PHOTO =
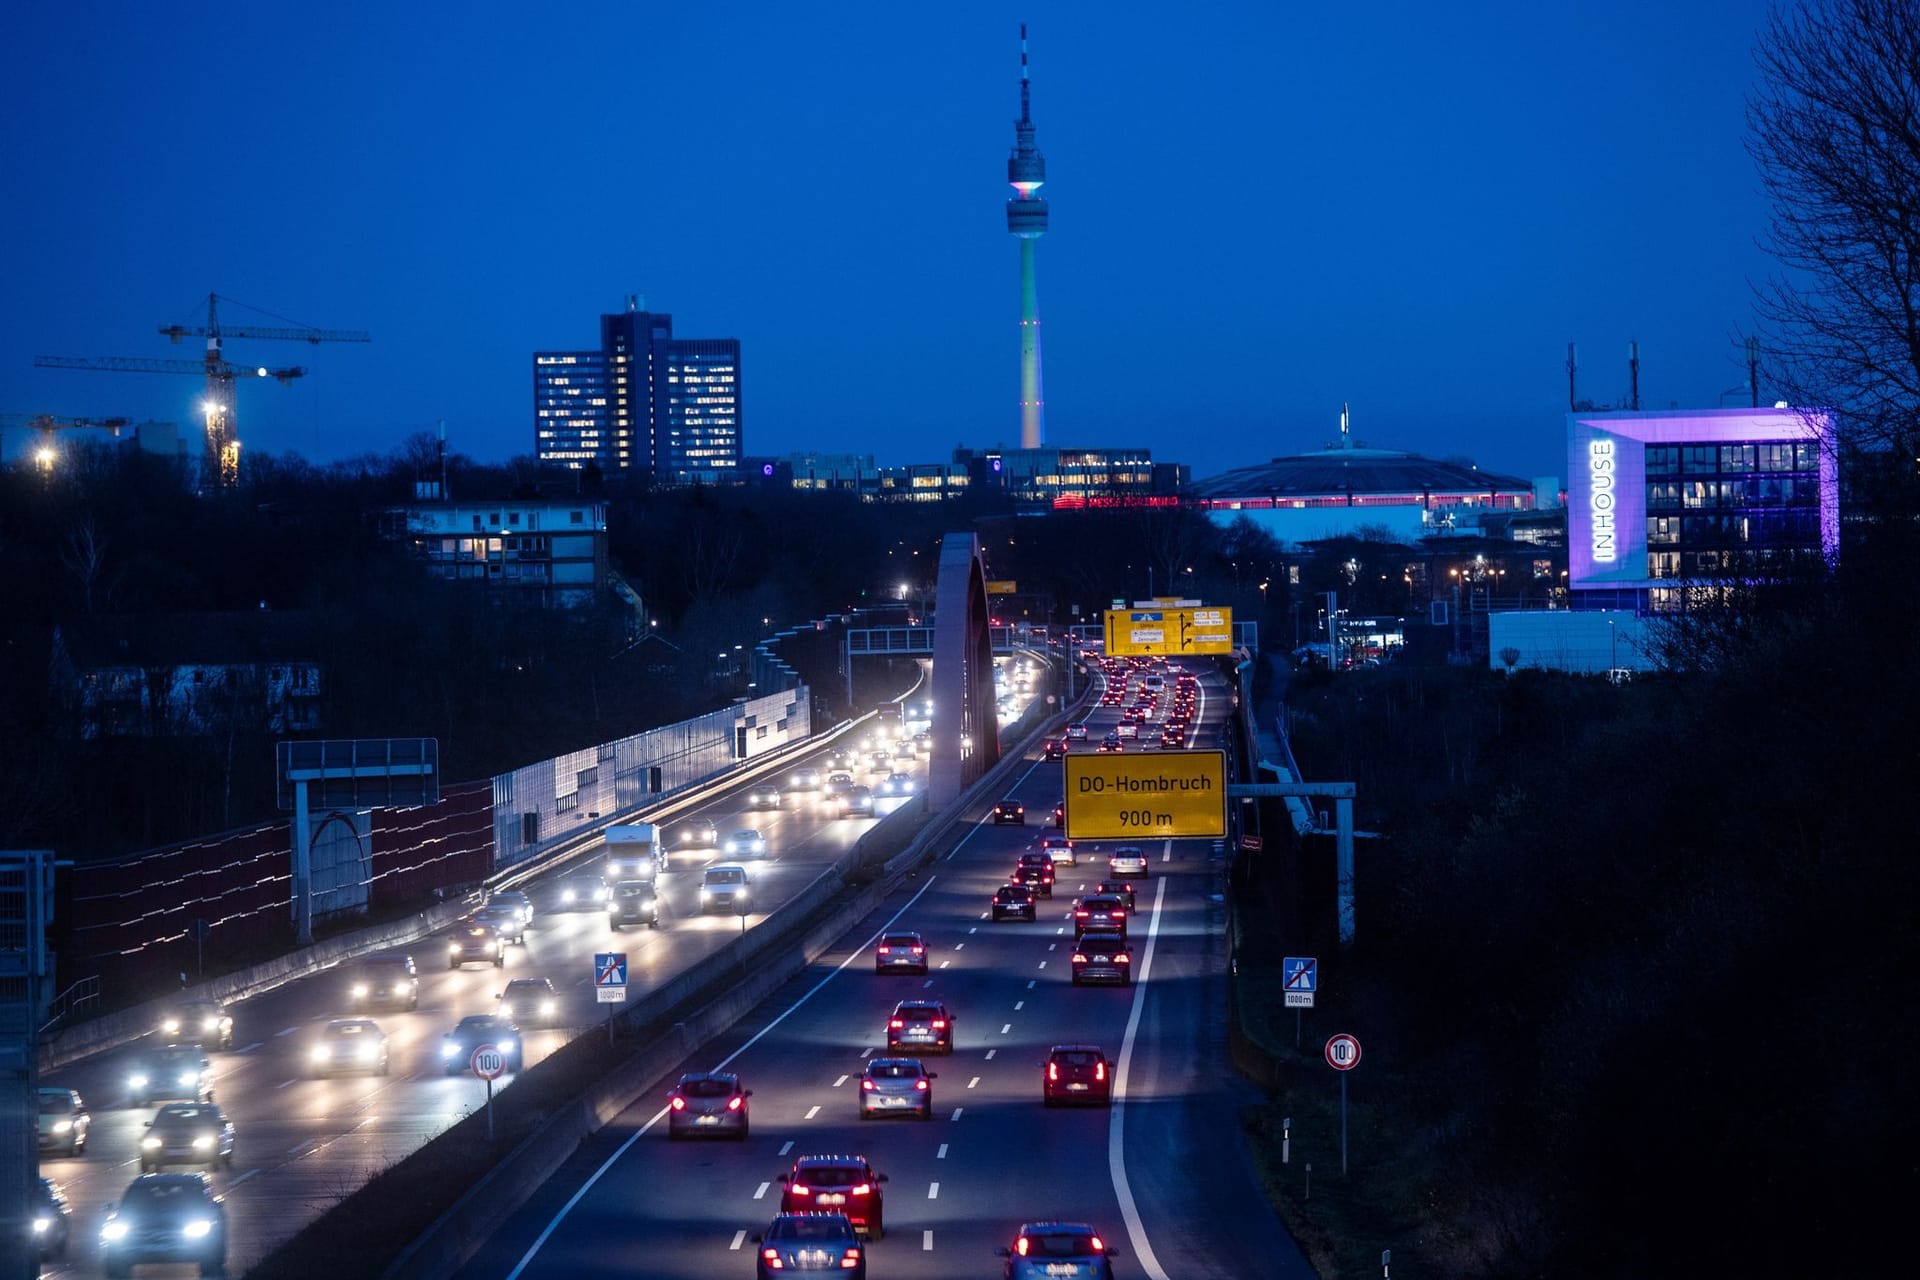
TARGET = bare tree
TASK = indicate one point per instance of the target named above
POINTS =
(85, 557)
(1834, 127)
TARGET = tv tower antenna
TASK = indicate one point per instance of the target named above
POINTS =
(1027, 220)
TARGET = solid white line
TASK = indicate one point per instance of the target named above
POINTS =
(739, 1238)
(933, 1191)
(1116, 1156)
(548, 1230)
(926, 1240)
(811, 1112)
(761, 1193)
(837, 1083)
(786, 1146)
(941, 1154)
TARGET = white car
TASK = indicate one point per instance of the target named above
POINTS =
(1127, 860)
(745, 843)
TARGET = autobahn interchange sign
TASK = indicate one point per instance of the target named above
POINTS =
(1149, 795)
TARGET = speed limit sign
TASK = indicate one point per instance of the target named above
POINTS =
(1343, 1052)
(488, 1062)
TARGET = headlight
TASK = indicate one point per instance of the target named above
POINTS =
(369, 1050)
(600, 894)
(448, 1050)
(203, 1143)
(506, 1045)
(171, 1026)
(197, 1228)
(42, 1224)
(189, 1077)
(114, 1230)
(149, 1144)
(705, 892)
(506, 1010)
(209, 1024)
(546, 1007)
(566, 895)
(62, 1126)
(453, 948)
(359, 991)
(138, 1082)
(322, 1052)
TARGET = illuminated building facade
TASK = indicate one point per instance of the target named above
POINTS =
(645, 401)
(1069, 477)
(552, 552)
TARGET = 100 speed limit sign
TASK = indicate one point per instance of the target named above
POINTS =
(488, 1062)
(1343, 1052)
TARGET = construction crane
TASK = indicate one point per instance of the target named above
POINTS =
(222, 466)
(45, 425)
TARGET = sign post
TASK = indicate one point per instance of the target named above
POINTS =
(1302, 980)
(610, 983)
(487, 1063)
(1343, 1055)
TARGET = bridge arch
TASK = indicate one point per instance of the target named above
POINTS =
(966, 727)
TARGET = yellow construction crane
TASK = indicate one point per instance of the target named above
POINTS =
(46, 425)
(222, 466)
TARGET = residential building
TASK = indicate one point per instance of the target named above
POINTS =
(554, 551)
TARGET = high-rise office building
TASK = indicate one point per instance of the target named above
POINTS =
(645, 401)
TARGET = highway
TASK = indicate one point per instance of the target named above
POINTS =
(1163, 1175)
(303, 1144)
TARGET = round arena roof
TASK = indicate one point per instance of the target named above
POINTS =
(1341, 470)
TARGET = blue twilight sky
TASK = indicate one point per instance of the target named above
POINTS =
(1260, 210)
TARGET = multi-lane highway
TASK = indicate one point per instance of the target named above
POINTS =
(1162, 1174)
(302, 1144)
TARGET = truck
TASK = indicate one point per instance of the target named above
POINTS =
(634, 852)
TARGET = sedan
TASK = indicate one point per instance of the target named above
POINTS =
(857, 802)
(1059, 848)
(896, 1084)
(474, 1030)
(810, 1242)
(63, 1121)
(1009, 812)
(1053, 749)
(920, 1024)
(349, 1044)
(581, 893)
(804, 780)
(841, 1184)
(201, 1022)
(1120, 889)
(1058, 1249)
(504, 919)
(1076, 1073)
(52, 1217)
(165, 1217)
(766, 796)
(1102, 955)
(1014, 902)
(530, 1002)
(697, 833)
(708, 1102)
(177, 1071)
(1111, 745)
(897, 784)
(187, 1133)
(516, 900)
(745, 843)
(475, 943)
(901, 952)
(1127, 860)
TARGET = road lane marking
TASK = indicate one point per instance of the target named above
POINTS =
(1043, 964)
(739, 1238)
(990, 1054)
(941, 1154)
(1032, 983)
(867, 1052)
(1116, 1125)
(251, 1173)
(811, 1113)
(837, 1083)
(1006, 1027)
(301, 1148)
(957, 1111)
(933, 1191)
(284, 1031)
(1018, 1005)
(973, 1083)
(250, 1048)
(975, 929)
(959, 946)
(546, 1232)
(926, 1241)
(761, 1193)
(284, 1083)
(929, 981)
(943, 964)
(786, 1146)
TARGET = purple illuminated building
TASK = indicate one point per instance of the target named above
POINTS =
(1662, 503)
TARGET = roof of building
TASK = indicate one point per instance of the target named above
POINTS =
(240, 638)
(1352, 468)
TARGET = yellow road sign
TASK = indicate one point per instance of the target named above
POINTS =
(1002, 587)
(1152, 795)
(1164, 630)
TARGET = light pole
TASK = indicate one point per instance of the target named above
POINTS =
(1613, 650)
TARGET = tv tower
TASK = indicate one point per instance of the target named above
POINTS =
(1027, 219)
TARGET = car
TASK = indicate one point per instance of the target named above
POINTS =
(1035, 870)
(900, 951)
(1014, 902)
(52, 1217)
(504, 920)
(1058, 1249)
(810, 1242)
(1077, 732)
(1058, 848)
(724, 889)
(170, 1072)
(1121, 889)
(203, 1022)
(165, 1217)
(384, 978)
(516, 899)
(766, 796)
(1102, 955)
(62, 1121)
(857, 801)
(349, 1044)
(1100, 911)
(187, 1133)
(696, 833)
(633, 902)
(881, 763)
(1127, 731)
(474, 1030)
(708, 1102)
(581, 892)
(1076, 1073)
(903, 750)
(1127, 860)
(530, 1002)
(1060, 814)
(1111, 745)
(897, 784)
(923, 743)
(1171, 737)
(1007, 812)
(804, 780)
(745, 843)
(839, 759)
(1053, 749)
(896, 1084)
(920, 1024)
(842, 1184)
(475, 943)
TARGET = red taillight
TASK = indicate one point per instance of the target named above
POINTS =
(772, 1258)
(678, 1103)
(939, 1024)
(1124, 958)
(1098, 1245)
(1020, 1246)
(1079, 958)
(1053, 1073)
(919, 950)
(863, 1190)
(896, 1024)
(735, 1103)
(1099, 1071)
(918, 1084)
(886, 950)
(868, 1085)
(800, 1188)
(850, 1259)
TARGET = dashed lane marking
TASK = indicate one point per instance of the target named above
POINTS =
(786, 1146)
(284, 1031)
(933, 1191)
(837, 1083)
(941, 1154)
(926, 1241)
(251, 1173)
(957, 1111)
(990, 1054)
(1005, 1027)
(249, 1049)
(760, 1194)
(811, 1113)
(973, 1083)
(1018, 1005)
(739, 1238)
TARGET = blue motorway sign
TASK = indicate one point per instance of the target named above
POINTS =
(609, 969)
(1301, 972)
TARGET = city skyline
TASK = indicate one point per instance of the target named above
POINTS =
(1271, 214)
